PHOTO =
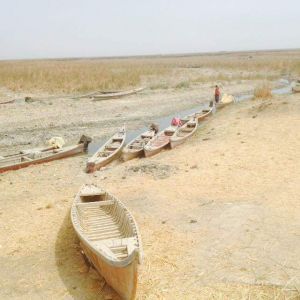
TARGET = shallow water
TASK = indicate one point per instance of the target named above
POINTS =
(166, 121)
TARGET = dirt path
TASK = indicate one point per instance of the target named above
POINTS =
(219, 215)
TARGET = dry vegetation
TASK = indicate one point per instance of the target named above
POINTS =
(80, 75)
(263, 91)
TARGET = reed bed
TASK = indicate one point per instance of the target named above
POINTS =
(73, 75)
(263, 91)
(83, 75)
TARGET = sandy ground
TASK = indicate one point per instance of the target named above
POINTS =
(219, 215)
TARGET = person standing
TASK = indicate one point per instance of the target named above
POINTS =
(217, 94)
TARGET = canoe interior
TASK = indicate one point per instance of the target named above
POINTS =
(109, 237)
(31, 156)
(201, 115)
(186, 129)
(162, 138)
(110, 148)
(106, 224)
(140, 141)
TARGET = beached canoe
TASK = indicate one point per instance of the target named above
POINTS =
(184, 132)
(226, 100)
(160, 141)
(40, 155)
(117, 95)
(221, 105)
(110, 151)
(135, 148)
(109, 238)
(296, 87)
(7, 101)
(199, 116)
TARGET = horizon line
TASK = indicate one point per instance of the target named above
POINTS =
(139, 56)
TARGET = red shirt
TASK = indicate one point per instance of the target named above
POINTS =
(176, 122)
(217, 91)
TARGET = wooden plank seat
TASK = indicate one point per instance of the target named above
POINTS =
(187, 129)
(120, 247)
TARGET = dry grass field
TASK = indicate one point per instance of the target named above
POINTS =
(81, 75)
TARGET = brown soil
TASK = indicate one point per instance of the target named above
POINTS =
(219, 215)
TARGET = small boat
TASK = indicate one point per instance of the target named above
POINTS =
(91, 94)
(161, 140)
(135, 148)
(221, 105)
(41, 155)
(7, 101)
(226, 100)
(110, 151)
(184, 132)
(109, 238)
(199, 116)
(105, 96)
(296, 87)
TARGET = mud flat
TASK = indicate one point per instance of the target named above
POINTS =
(219, 215)
(29, 124)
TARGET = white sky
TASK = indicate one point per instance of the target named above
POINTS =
(78, 28)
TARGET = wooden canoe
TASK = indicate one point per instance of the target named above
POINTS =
(39, 155)
(110, 151)
(203, 114)
(221, 105)
(296, 87)
(7, 102)
(161, 140)
(184, 132)
(117, 95)
(135, 148)
(109, 237)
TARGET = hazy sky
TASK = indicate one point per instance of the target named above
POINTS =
(74, 28)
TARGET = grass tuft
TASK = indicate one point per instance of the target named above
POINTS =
(263, 90)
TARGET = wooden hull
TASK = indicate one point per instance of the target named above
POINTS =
(160, 141)
(152, 152)
(117, 95)
(135, 148)
(221, 105)
(92, 167)
(203, 115)
(7, 102)
(122, 280)
(109, 237)
(177, 140)
(296, 88)
(128, 155)
(108, 152)
(52, 156)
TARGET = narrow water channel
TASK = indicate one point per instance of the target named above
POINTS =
(165, 121)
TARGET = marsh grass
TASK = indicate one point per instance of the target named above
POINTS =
(73, 75)
(234, 76)
(263, 91)
(84, 75)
